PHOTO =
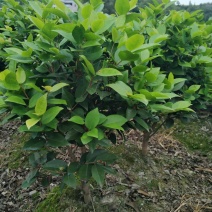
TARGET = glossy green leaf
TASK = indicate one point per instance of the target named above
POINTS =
(128, 56)
(158, 38)
(150, 77)
(41, 105)
(86, 11)
(15, 99)
(57, 101)
(133, 4)
(30, 178)
(50, 114)
(130, 113)
(122, 7)
(121, 88)
(108, 72)
(106, 157)
(70, 180)
(56, 139)
(193, 88)
(140, 97)
(20, 75)
(55, 165)
(160, 107)
(36, 7)
(37, 22)
(77, 120)
(92, 119)
(31, 122)
(34, 144)
(34, 99)
(10, 82)
(98, 174)
(134, 42)
(142, 123)
(114, 121)
(180, 105)
(58, 86)
(88, 65)
(85, 172)
(56, 12)
(86, 139)
(93, 133)
(78, 33)
(97, 25)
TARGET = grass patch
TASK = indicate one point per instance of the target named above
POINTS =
(196, 135)
(14, 156)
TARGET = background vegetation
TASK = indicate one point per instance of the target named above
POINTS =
(206, 8)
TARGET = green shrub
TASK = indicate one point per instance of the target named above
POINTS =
(75, 78)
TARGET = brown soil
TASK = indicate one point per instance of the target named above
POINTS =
(171, 178)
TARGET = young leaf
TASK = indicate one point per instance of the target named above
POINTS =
(140, 97)
(180, 105)
(58, 86)
(88, 65)
(159, 107)
(93, 133)
(50, 114)
(10, 82)
(92, 119)
(121, 88)
(20, 75)
(114, 121)
(108, 72)
(77, 120)
(86, 139)
(122, 7)
(133, 4)
(31, 122)
(98, 174)
(41, 105)
(134, 42)
(15, 99)
(37, 22)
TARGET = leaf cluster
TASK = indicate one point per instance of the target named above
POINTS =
(75, 78)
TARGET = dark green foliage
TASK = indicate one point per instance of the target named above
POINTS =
(75, 78)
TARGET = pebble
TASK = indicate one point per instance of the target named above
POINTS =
(32, 192)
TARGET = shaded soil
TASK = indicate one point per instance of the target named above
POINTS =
(171, 178)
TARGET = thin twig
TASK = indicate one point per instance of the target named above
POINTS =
(181, 205)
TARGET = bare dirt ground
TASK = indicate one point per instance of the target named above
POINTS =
(171, 179)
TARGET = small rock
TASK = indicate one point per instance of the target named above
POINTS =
(32, 192)
(189, 172)
(10, 203)
(167, 172)
(4, 193)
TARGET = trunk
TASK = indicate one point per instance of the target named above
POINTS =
(86, 192)
(145, 141)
